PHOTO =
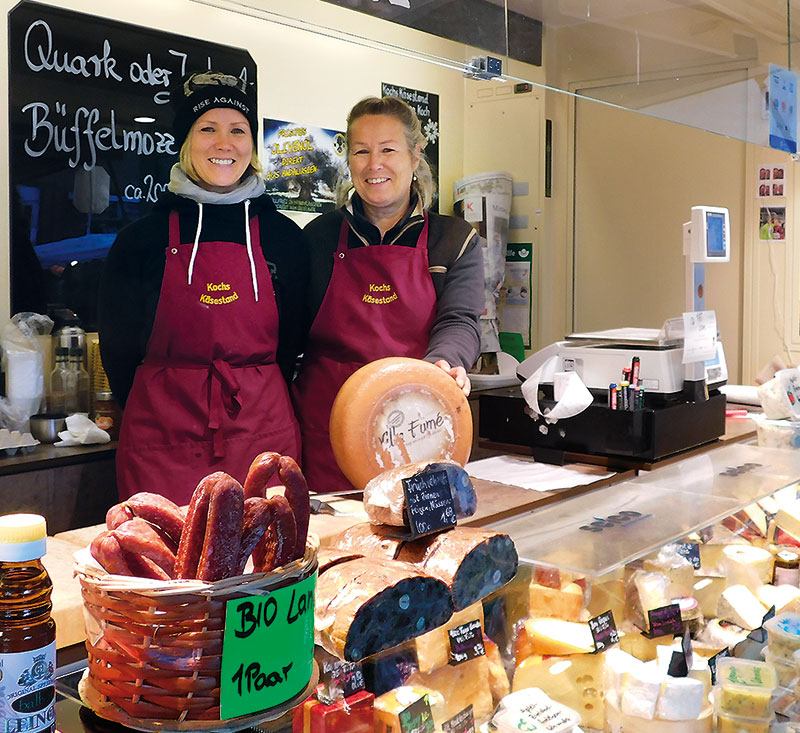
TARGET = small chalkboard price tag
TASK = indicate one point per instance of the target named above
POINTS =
(345, 676)
(665, 621)
(417, 717)
(463, 722)
(466, 642)
(712, 663)
(691, 551)
(604, 631)
(681, 661)
(429, 502)
(760, 634)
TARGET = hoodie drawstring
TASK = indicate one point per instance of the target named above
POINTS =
(196, 240)
(250, 247)
(196, 245)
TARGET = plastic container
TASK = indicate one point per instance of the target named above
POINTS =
(727, 723)
(27, 632)
(783, 635)
(786, 671)
(745, 687)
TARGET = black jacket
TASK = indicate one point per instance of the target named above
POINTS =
(131, 282)
(455, 262)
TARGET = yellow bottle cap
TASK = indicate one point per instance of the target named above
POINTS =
(20, 528)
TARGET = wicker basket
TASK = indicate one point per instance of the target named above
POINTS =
(155, 648)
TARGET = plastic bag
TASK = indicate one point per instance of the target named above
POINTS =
(23, 360)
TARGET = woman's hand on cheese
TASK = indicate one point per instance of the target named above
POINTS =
(458, 373)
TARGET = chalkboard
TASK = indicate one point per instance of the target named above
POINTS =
(429, 502)
(84, 159)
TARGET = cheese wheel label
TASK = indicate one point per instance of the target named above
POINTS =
(410, 425)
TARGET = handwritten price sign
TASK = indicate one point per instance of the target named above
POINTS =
(267, 649)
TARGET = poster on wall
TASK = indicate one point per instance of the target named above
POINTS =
(426, 105)
(515, 303)
(772, 223)
(782, 109)
(90, 142)
(771, 181)
(302, 165)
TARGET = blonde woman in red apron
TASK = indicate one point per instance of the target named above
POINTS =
(388, 277)
(199, 325)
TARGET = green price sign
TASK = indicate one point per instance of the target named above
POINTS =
(268, 649)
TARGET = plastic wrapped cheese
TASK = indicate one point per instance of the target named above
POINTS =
(384, 498)
(395, 411)
(389, 706)
(773, 400)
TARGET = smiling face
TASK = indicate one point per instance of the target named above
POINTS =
(381, 165)
(220, 148)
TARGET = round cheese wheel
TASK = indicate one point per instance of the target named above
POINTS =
(395, 411)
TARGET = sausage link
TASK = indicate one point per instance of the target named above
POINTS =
(159, 511)
(105, 548)
(223, 530)
(140, 537)
(261, 470)
(144, 567)
(194, 530)
(296, 492)
(276, 547)
(257, 518)
(118, 514)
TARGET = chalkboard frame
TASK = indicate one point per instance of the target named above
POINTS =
(68, 73)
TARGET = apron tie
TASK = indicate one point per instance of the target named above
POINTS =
(250, 247)
(196, 240)
(223, 396)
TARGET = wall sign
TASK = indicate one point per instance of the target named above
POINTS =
(302, 164)
(83, 160)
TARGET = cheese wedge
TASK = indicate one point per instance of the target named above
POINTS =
(563, 602)
(553, 636)
(783, 597)
(747, 565)
(788, 519)
(433, 648)
(707, 591)
(739, 605)
(462, 685)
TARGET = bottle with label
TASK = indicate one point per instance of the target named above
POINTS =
(107, 413)
(27, 632)
(787, 568)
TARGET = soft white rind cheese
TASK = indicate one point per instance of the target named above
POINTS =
(681, 698)
(642, 688)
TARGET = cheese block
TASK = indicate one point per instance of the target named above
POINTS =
(719, 634)
(552, 636)
(329, 556)
(739, 605)
(607, 596)
(433, 648)
(366, 605)
(646, 591)
(389, 706)
(758, 517)
(368, 540)
(460, 685)
(707, 591)
(675, 567)
(681, 698)
(565, 602)
(787, 518)
(618, 665)
(698, 668)
(642, 688)
(783, 597)
(575, 681)
(640, 646)
(384, 498)
(396, 411)
(747, 565)
(473, 562)
(498, 677)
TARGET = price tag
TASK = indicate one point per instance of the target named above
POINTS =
(267, 649)
(463, 722)
(691, 551)
(665, 621)
(346, 677)
(417, 717)
(466, 642)
(604, 631)
(429, 502)
(712, 663)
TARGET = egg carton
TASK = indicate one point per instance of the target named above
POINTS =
(13, 442)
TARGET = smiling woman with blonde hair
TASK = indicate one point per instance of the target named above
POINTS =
(200, 305)
(428, 268)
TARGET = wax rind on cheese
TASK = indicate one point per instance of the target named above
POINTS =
(395, 411)
(565, 602)
(384, 498)
(739, 605)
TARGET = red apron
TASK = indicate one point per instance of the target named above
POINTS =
(380, 302)
(209, 395)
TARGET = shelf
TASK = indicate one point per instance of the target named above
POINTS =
(662, 506)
